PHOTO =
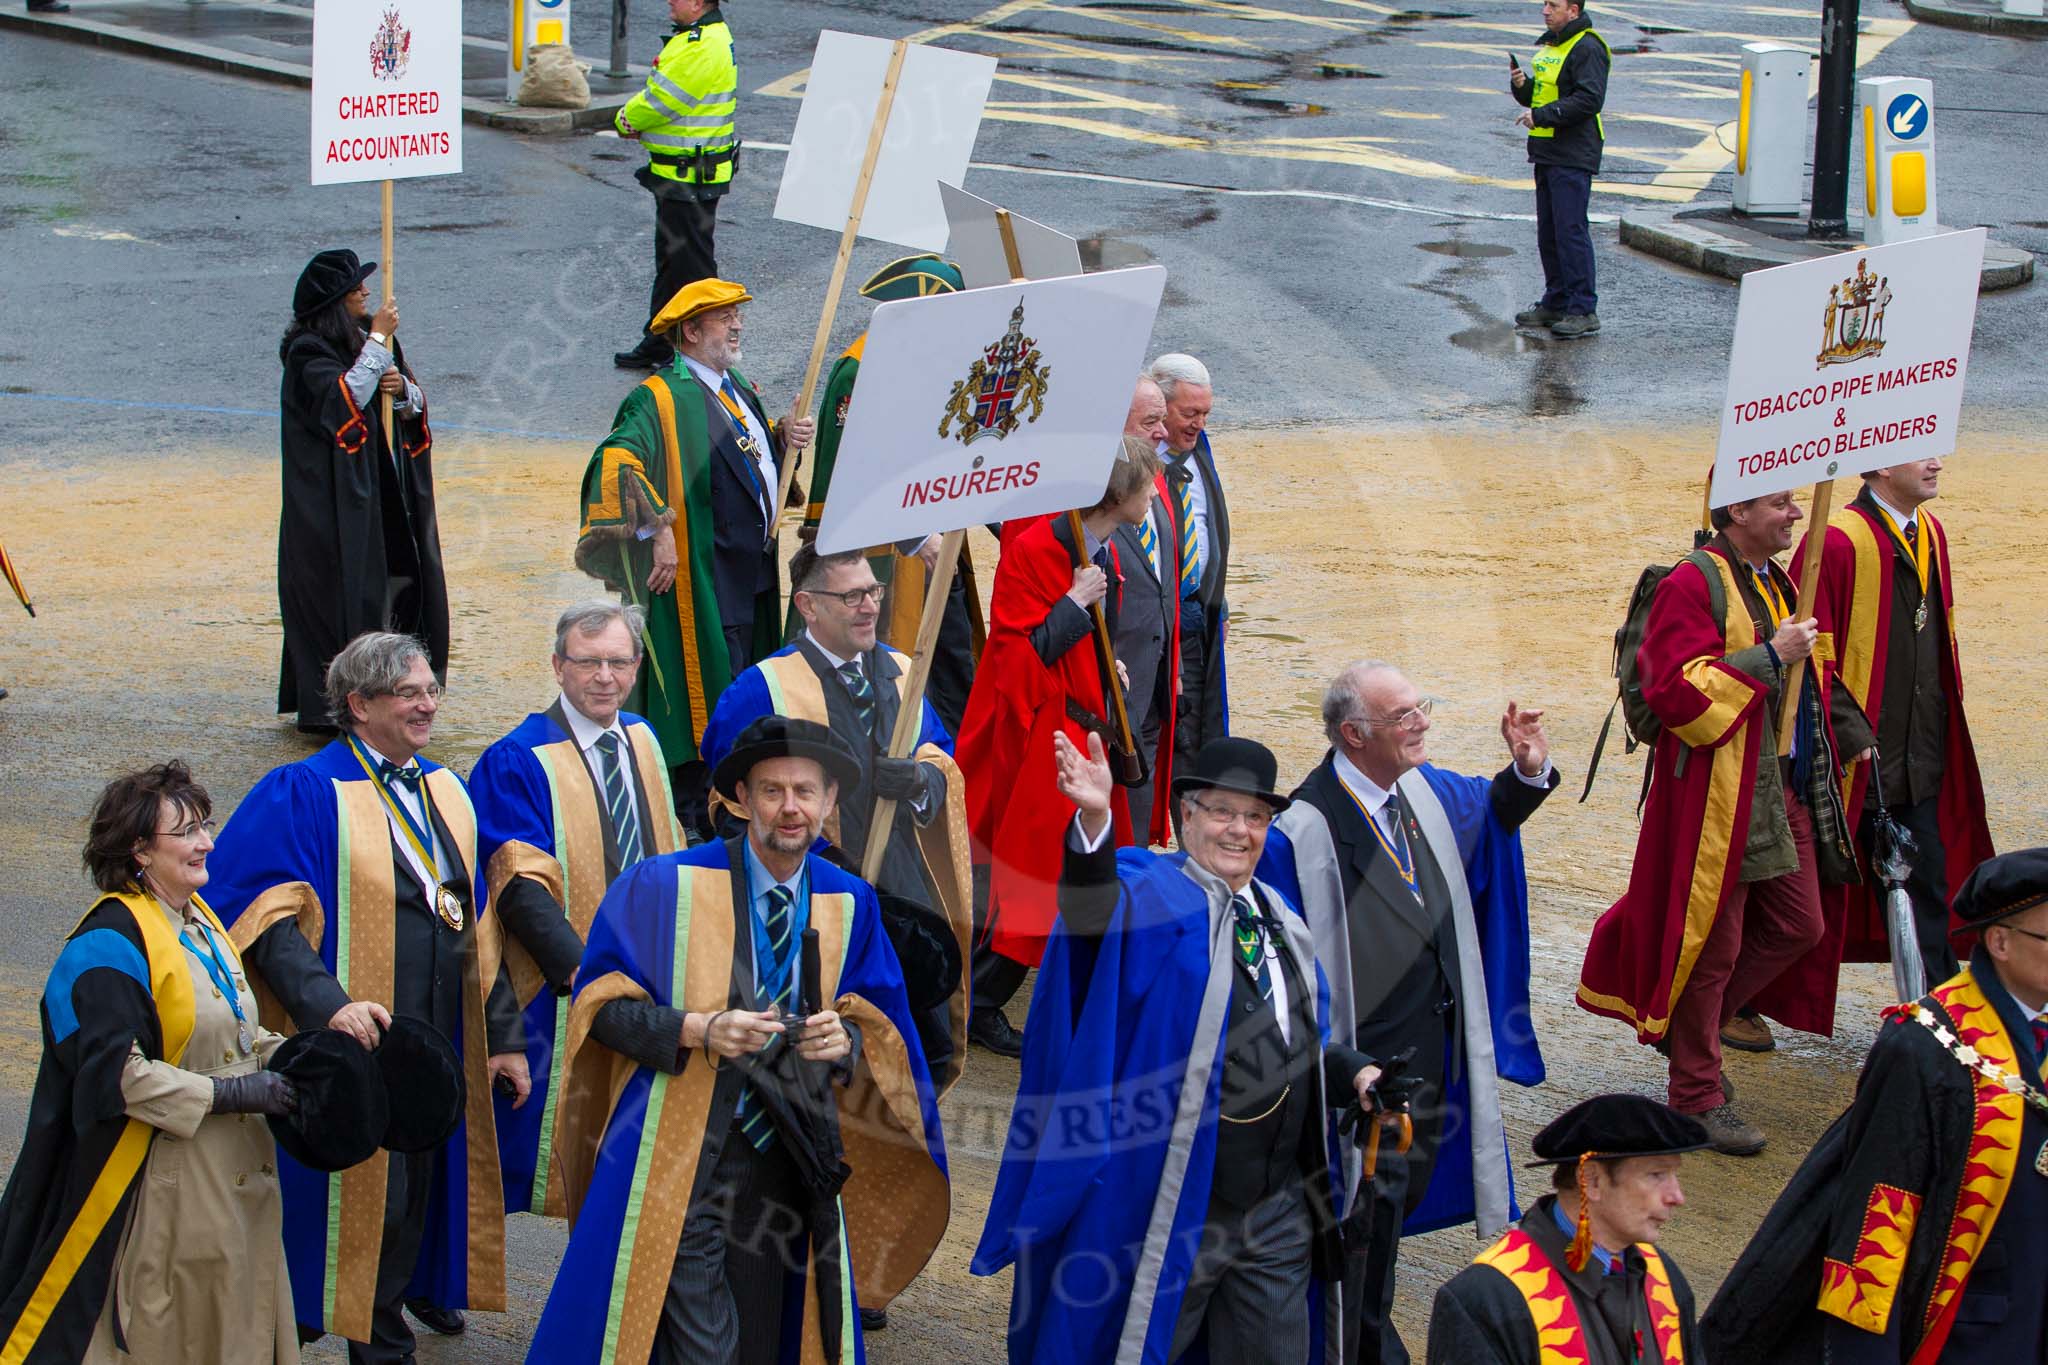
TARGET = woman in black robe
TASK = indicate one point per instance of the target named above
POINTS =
(358, 546)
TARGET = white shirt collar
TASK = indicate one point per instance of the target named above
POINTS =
(586, 731)
(715, 378)
(1899, 519)
(830, 657)
(1369, 793)
(371, 750)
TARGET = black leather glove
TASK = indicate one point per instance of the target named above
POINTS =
(899, 779)
(259, 1092)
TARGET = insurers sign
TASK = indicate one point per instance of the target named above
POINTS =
(1847, 363)
(387, 89)
(987, 405)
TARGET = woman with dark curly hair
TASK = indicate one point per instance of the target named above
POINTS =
(143, 1220)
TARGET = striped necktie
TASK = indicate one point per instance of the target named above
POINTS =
(1251, 944)
(618, 800)
(729, 395)
(777, 992)
(862, 691)
(1148, 541)
(1182, 477)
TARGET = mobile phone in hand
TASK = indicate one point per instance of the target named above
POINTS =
(1513, 65)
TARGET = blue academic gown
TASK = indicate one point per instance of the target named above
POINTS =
(1106, 1048)
(635, 935)
(752, 696)
(288, 829)
(1492, 858)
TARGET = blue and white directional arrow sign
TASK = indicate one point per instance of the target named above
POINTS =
(1906, 117)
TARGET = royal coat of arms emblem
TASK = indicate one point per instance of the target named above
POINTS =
(390, 48)
(1004, 389)
(1854, 324)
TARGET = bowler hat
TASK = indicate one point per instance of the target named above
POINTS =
(328, 278)
(342, 1110)
(423, 1077)
(698, 296)
(1611, 1126)
(1237, 765)
(913, 277)
(784, 737)
(2002, 887)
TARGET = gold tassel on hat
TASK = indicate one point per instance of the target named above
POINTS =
(1581, 1249)
(1707, 503)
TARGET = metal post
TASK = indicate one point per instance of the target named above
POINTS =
(618, 66)
(1835, 119)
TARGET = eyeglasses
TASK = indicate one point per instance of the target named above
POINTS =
(594, 665)
(191, 831)
(2028, 932)
(852, 598)
(1224, 816)
(1411, 719)
(412, 696)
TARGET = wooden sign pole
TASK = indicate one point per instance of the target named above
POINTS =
(910, 715)
(846, 240)
(1809, 584)
(390, 435)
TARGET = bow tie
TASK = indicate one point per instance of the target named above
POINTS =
(409, 775)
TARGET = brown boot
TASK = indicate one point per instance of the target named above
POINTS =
(1748, 1033)
(1730, 1133)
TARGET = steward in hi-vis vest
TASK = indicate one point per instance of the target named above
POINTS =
(1563, 91)
(1580, 1278)
(686, 119)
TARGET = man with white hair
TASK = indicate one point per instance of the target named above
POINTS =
(1201, 548)
(1430, 958)
(567, 801)
(1147, 629)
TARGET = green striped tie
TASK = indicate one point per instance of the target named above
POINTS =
(618, 801)
(1251, 944)
(778, 986)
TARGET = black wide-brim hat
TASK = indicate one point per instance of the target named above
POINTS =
(342, 1110)
(1244, 766)
(784, 737)
(423, 1078)
(2002, 887)
(1610, 1127)
(328, 278)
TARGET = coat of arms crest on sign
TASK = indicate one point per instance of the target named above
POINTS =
(1854, 325)
(390, 48)
(1004, 389)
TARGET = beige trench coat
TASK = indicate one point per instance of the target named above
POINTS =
(201, 1272)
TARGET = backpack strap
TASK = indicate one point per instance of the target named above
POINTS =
(1599, 744)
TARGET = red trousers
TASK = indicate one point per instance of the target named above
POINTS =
(1763, 928)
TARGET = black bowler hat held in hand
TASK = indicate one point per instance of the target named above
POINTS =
(342, 1111)
(328, 278)
(423, 1079)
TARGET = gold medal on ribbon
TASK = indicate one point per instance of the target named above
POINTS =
(1920, 616)
(2041, 1160)
(449, 905)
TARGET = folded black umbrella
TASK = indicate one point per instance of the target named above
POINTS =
(342, 1110)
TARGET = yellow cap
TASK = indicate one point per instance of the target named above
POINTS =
(696, 297)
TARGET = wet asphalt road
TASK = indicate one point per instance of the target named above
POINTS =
(1334, 187)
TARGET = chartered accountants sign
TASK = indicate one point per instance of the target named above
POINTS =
(387, 89)
(1847, 363)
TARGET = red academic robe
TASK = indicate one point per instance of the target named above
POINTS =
(1016, 816)
(1696, 821)
(1853, 606)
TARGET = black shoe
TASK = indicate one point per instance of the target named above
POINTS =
(992, 1029)
(1536, 315)
(433, 1316)
(1574, 326)
(873, 1319)
(648, 355)
(48, 7)
(3, 694)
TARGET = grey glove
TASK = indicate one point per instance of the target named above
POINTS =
(259, 1092)
(899, 779)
